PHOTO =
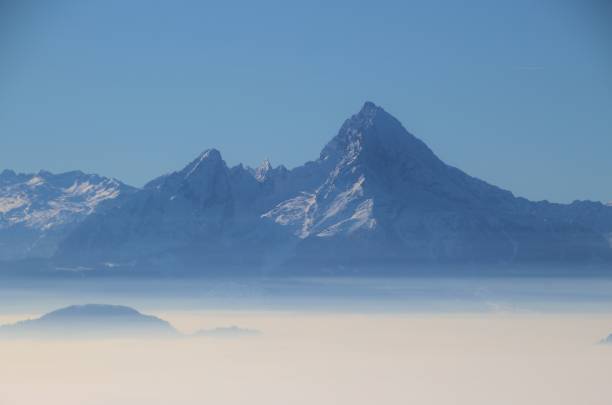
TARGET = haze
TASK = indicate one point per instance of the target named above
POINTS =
(361, 341)
(306, 358)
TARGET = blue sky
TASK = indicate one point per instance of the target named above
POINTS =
(518, 93)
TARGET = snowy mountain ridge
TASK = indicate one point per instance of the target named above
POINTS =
(36, 208)
(376, 198)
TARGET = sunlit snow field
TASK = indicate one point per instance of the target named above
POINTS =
(436, 341)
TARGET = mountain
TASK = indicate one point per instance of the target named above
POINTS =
(388, 200)
(90, 321)
(38, 210)
(206, 211)
(376, 200)
(608, 340)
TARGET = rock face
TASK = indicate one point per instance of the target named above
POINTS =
(376, 198)
(39, 210)
(90, 321)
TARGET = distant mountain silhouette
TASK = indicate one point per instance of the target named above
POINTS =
(90, 321)
(608, 340)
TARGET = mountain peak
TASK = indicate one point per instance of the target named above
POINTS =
(368, 115)
(371, 127)
(266, 164)
(7, 173)
(262, 171)
(208, 158)
(369, 108)
(44, 173)
(211, 153)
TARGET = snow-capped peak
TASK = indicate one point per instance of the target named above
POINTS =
(262, 171)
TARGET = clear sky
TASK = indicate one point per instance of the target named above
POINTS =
(518, 93)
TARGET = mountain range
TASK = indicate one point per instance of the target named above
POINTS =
(38, 210)
(377, 198)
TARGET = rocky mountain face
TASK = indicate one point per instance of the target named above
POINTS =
(38, 210)
(376, 198)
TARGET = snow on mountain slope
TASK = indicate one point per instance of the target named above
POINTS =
(295, 213)
(36, 210)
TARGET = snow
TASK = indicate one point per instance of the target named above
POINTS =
(295, 213)
(362, 218)
(321, 215)
(44, 201)
(345, 198)
(10, 203)
(35, 181)
(262, 171)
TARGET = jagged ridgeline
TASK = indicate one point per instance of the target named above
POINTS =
(376, 200)
(37, 211)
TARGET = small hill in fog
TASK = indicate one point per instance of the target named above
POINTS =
(90, 321)
(608, 340)
(227, 332)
